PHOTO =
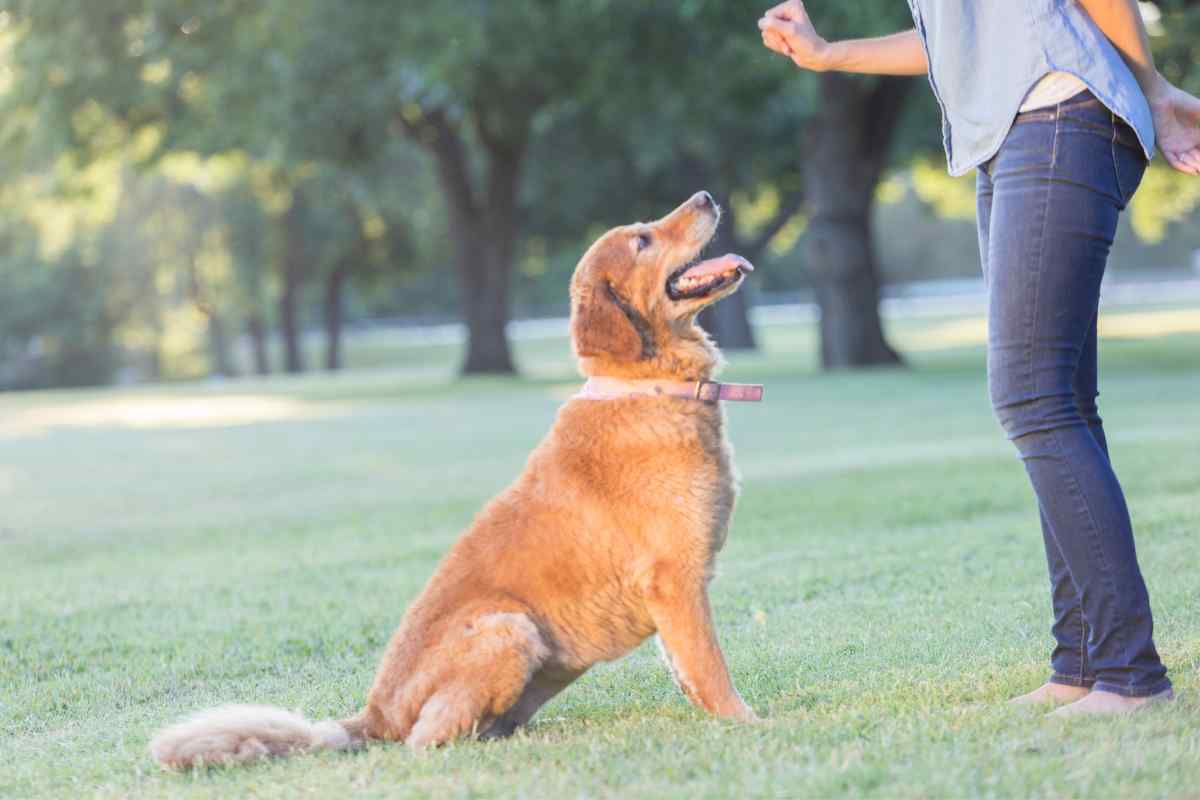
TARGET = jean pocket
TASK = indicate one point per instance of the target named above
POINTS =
(1129, 164)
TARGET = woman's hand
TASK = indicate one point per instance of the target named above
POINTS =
(1176, 126)
(787, 30)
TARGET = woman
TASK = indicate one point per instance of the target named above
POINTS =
(1058, 105)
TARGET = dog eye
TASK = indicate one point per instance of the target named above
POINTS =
(642, 241)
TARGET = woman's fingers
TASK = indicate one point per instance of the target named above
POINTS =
(1188, 163)
(1191, 159)
(780, 29)
(780, 26)
(773, 37)
(792, 10)
(772, 41)
(778, 10)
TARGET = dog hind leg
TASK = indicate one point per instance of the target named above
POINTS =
(487, 672)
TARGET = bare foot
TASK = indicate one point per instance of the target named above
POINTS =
(1099, 702)
(1051, 694)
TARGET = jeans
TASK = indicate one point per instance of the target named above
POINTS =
(1048, 205)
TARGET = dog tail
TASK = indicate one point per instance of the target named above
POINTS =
(237, 733)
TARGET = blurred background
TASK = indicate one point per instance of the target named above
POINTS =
(245, 187)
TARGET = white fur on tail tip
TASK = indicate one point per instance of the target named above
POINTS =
(231, 734)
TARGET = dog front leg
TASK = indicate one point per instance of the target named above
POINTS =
(679, 606)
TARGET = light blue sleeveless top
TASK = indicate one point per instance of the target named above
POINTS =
(985, 55)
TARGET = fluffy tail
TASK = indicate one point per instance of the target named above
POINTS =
(233, 734)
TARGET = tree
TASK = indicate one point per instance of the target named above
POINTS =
(470, 87)
(852, 134)
(92, 78)
(744, 124)
(56, 328)
(725, 122)
(848, 141)
(248, 236)
(487, 102)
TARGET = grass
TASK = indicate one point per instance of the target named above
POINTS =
(883, 590)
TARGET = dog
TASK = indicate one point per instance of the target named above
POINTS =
(607, 537)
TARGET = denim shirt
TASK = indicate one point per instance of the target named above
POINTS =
(985, 55)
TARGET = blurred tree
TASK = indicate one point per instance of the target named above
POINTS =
(726, 114)
(789, 150)
(687, 100)
(90, 79)
(248, 236)
(612, 110)
(851, 136)
(56, 328)
(473, 88)
(848, 143)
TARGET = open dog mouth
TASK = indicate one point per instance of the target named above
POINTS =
(702, 278)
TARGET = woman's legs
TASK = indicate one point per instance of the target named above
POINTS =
(1071, 679)
(1049, 206)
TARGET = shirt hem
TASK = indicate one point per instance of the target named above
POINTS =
(958, 171)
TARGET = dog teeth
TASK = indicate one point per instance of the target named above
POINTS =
(688, 283)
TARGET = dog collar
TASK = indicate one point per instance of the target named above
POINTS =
(603, 388)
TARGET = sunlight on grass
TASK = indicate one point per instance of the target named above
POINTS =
(956, 333)
(972, 331)
(160, 412)
(1149, 324)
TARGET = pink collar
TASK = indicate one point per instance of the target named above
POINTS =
(603, 388)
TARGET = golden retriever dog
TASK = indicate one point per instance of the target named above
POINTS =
(606, 537)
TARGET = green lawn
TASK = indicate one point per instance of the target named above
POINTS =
(883, 590)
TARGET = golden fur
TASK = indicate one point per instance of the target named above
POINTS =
(606, 537)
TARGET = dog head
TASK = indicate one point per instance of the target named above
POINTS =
(636, 293)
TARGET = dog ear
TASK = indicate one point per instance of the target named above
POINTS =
(605, 324)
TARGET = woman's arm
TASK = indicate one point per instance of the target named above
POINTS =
(786, 29)
(1121, 22)
(1176, 113)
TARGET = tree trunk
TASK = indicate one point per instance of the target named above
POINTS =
(335, 286)
(487, 277)
(847, 149)
(484, 229)
(728, 321)
(294, 262)
(258, 345)
(848, 293)
(218, 338)
(485, 312)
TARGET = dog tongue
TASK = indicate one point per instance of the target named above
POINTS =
(716, 266)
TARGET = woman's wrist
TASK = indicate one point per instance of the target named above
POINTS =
(1156, 88)
(831, 57)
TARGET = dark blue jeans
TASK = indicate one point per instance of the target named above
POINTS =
(1048, 207)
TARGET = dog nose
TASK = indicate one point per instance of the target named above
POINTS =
(703, 200)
